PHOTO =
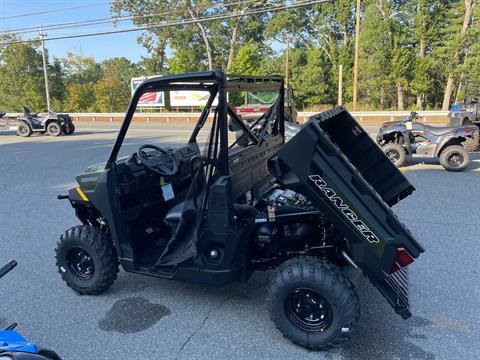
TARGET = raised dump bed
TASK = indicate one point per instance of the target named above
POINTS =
(335, 164)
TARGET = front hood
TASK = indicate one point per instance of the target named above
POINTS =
(88, 179)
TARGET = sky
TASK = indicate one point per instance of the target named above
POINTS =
(98, 47)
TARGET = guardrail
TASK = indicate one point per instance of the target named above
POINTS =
(364, 117)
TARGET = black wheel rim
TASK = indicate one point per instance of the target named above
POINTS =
(308, 310)
(80, 263)
(393, 155)
(455, 160)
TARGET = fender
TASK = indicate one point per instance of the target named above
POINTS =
(395, 127)
(29, 122)
(445, 139)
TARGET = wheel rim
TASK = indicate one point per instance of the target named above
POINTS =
(80, 263)
(54, 129)
(455, 160)
(393, 155)
(22, 130)
(308, 310)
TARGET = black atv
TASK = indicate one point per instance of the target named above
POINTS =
(49, 122)
(305, 208)
(451, 145)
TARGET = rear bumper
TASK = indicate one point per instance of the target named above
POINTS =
(394, 289)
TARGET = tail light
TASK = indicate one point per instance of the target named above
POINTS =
(401, 259)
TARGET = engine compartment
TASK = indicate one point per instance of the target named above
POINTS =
(289, 225)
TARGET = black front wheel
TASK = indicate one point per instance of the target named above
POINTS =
(455, 158)
(312, 303)
(395, 153)
(87, 260)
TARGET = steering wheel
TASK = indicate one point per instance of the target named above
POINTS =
(157, 167)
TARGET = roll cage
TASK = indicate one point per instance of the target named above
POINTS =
(218, 85)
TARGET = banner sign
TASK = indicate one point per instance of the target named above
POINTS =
(187, 98)
(148, 99)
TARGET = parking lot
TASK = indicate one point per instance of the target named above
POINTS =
(148, 318)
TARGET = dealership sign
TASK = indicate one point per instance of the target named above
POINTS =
(178, 98)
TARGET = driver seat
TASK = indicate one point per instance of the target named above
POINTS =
(440, 130)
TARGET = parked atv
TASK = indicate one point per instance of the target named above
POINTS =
(14, 346)
(305, 208)
(451, 145)
(49, 122)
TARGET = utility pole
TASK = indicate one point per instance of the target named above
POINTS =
(340, 85)
(45, 72)
(286, 59)
(355, 67)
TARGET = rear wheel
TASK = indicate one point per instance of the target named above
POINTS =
(24, 130)
(87, 260)
(54, 129)
(395, 153)
(312, 303)
(454, 158)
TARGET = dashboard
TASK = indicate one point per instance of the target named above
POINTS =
(137, 185)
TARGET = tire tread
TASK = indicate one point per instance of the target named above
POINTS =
(341, 286)
(103, 246)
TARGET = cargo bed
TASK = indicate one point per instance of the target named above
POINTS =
(338, 167)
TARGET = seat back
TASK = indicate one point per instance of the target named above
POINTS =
(248, 166)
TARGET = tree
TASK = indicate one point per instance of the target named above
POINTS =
(457, 44)
(81, 74)
(21, 76)
(112, 91)
(212, 44)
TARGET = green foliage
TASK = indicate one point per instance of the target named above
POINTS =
(408, 51)
(21, 77)
(250, 59)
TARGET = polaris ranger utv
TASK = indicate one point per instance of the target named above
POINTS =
(305, 208)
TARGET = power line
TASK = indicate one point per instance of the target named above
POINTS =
(49, 11)
(273, 8)
(82, 23)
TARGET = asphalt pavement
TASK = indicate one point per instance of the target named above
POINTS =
(143, 317)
